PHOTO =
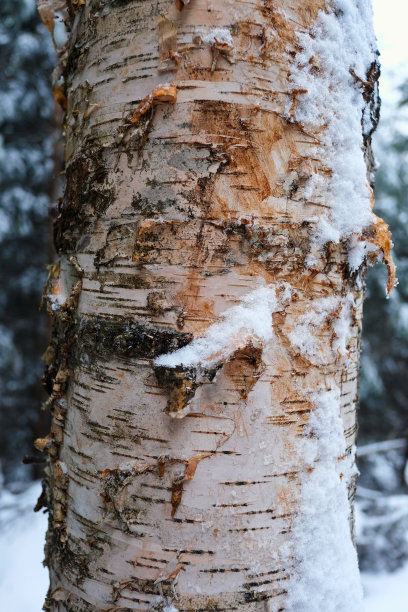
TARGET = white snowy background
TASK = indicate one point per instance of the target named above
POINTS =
(23, 579)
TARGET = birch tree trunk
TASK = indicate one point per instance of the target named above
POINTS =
(203, 367)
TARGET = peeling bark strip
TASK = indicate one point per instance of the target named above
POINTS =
(192, 283)
(162, 93)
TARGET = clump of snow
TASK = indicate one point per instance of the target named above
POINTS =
(337, 52)
(60, 32)
(163, 603)
(342, 325)
(250, 320)
(326, 575)
(303, 334)
(357, 253)
(331, 311)
(56, 301)
(222, 36)
(358, 250)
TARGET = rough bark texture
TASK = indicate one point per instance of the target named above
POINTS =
(183, 189)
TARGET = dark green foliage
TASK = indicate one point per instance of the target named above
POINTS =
(26, 108)
(384, 376)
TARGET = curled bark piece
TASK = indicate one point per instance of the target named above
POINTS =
(180, 4)
(162, 93)
(75, 5)
(378, 234)
(245, 367)
(59, 594)
(43, 444)
(182, 384)
(59, 96)
(178, 483)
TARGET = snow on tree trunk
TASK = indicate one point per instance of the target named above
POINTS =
(207, 303)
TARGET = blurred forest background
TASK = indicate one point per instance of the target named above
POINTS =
(30, 150)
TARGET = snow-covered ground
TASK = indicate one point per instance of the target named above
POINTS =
(384, 592)
(23, 579)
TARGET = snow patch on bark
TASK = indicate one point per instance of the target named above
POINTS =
(327, 81)
(358, 250)
(326, 575)
(56, 300)
(60, 33)
(221, 36)
(163, 604)
(333, 312)
(250, 320)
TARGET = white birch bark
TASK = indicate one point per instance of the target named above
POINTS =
(186, 178)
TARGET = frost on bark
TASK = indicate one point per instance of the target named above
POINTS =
(203, 366)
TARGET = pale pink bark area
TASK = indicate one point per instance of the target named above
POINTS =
(178, 487)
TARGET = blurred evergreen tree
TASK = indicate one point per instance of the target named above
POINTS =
(384, 373)
(26, 148)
